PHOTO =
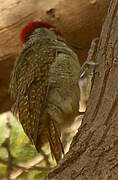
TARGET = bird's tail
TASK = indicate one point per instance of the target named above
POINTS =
(54, 141)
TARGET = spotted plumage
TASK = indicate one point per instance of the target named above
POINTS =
(44, 86)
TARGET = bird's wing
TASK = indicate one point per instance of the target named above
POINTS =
(29, 87)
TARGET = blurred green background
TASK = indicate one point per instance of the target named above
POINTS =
(26, 161)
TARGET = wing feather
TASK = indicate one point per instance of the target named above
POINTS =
(29, 83)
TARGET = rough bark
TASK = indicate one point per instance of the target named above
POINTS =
(93, 154)
(79, 21)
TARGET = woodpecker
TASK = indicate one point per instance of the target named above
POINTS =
(44, 86)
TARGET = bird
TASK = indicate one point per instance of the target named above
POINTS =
(44, 86)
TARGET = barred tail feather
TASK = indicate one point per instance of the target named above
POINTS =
(54, 141)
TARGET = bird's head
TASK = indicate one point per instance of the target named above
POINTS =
(32, 26)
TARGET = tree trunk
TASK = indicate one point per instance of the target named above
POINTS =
(93, 154)
(79, 21)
